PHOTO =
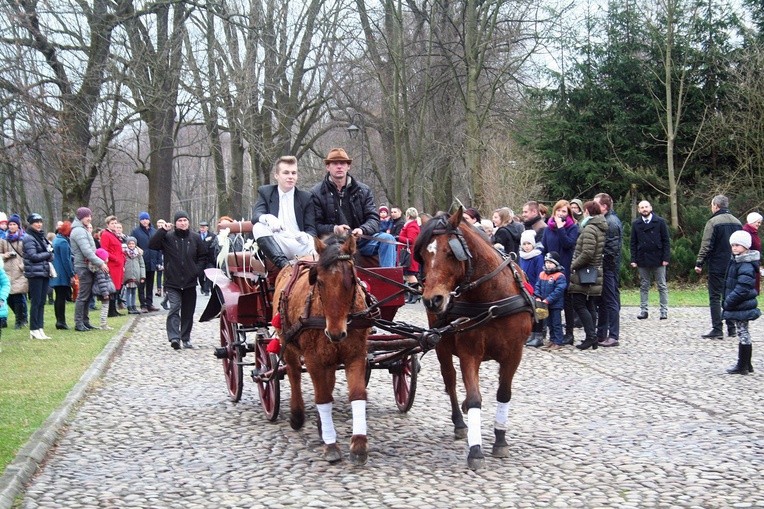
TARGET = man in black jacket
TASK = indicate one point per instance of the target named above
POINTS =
(716, 252)
(283, 219)
(345, 206)
(185, 256)
(650, 253)
(151, 258)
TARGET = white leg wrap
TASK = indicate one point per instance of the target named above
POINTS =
(502, 413)
(473, 427)
(327, 424)
(359, 416)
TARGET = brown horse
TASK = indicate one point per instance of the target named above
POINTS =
(315, 301)
(466, 277)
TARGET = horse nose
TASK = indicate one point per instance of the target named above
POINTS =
(434, 303)
(336, 338)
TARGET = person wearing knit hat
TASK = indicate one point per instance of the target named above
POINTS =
(715, 253)
(38, 255)
(740, 304)
(385, 223)
(103, 287)
(532, 263)
(83, 251)
(185, 256)
(550, 289)
(12, 253)
(152, 259)
(3, 225)
(134, 275)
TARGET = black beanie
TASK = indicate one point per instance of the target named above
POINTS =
(180, 215)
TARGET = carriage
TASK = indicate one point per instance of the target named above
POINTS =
(479, 308)
(243, 301)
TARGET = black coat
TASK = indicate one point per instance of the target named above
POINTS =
(739, 291)
(650, 243)
(363, 211)
(304, 211)
(38, 253)
(185, 256)
(151, 257)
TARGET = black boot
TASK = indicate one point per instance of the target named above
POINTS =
(535, 340)
(272, 251)
(743, 360)
(589, 342)
(113, 308)
(416, 295)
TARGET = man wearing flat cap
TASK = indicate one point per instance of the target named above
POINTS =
(185, 257)
(283, 223)
(343, 206)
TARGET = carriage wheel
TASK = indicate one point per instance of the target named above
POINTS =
(270, 391)
(404, 383)
(232, 362)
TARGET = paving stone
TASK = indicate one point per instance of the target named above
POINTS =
(655, 422)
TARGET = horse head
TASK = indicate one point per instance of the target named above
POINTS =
(335, 279)
(451, 253)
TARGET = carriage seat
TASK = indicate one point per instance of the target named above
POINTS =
(367, 262)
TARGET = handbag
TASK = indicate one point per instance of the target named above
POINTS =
(52, 270)
(587, 275)
(404, 258)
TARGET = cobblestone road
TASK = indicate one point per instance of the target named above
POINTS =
(653, 423)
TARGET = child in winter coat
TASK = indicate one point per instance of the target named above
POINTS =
(740, 295)
(135, 273)
(550, 289)
(103, 286)
(532, 263)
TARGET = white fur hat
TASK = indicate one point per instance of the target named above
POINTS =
(741, 238)
(753, 217)
(528, 236)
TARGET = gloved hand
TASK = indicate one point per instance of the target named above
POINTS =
(271, 222)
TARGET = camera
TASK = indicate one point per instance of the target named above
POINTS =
(12, 255)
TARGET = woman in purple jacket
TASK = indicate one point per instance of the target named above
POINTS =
(560, 236)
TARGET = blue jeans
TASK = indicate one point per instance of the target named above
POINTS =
(608, 314)
(387, 252)
(554, 321)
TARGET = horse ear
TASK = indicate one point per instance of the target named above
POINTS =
(349, 246)
(312, 275)
(319, 245)
(456, 217)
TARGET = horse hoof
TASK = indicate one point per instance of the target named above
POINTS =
(296, 420)
(359, 459)
(460, 433)
(475, 459)
(500, 451)
(332, 453)
(359, 450)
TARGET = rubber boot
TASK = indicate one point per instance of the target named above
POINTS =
(272, 251)
(743, 360)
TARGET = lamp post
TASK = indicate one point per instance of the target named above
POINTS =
(357, 126)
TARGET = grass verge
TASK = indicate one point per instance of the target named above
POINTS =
(36, 375)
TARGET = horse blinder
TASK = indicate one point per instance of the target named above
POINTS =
(458, 249)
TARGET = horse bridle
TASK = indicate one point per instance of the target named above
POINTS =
(480, 312)
(356, 320)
